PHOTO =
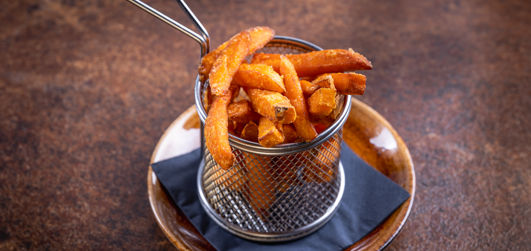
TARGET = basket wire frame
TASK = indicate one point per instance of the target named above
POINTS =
(275, 195)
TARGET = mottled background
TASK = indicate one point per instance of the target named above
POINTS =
(87, 88)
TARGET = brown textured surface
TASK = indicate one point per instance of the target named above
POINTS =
(86, 90)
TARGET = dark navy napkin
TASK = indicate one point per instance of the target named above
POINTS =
(369, 199)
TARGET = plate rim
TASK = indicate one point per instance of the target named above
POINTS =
(180, 244)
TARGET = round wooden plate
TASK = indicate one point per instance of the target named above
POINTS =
(366, 132)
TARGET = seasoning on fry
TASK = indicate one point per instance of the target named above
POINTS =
(308, 87)
(259, 37)
(216, 131)
(250, 131)
(294, 92)
(318, 62)
(324, 81)
(349, 83)
(269, 133)
(228, 63)
(259, 76)
(322, 102)
(290, 135)
(272, 105)
(240, 111)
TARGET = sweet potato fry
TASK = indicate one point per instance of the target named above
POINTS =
(318, 62)
(216, 131)
(323, 167)
(348, 83)
(208, 61)
(227, 64)
(290, 134)
(324, 81)
(272, 105)
(250, 132)
(269, 134)
(294, 92)
(261, 191)
(308, 87)
(259, 37)
(240, 111)
(259, 76)
(322, 102)
(340, 99)
(231, 178)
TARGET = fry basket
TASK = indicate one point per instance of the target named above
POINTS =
(270, 194)
(274, 193)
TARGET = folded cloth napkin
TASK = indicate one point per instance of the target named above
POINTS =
(369, 198)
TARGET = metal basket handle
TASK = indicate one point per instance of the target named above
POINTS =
(203, 39)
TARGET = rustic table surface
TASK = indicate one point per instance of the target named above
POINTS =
(87, 88)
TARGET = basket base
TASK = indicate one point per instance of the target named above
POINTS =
(270, 237)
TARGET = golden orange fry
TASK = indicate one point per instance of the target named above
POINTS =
(250, 132)
(240, 111)
(231, 178)
(261, 191)
(308, 87)
(216, 131)
(318, 62)
(324, 164)
(259, 36)
(348, 83)
(339, 104)
(290, 134)
(227, 64)
(208, 60)
(269, 134)
(272, 105)
(294, 93)
(322, 102)
(259, 76)
(324, 81)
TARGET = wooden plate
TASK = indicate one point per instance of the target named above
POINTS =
(366, 132)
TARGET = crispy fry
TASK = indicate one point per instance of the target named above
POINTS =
(259, 37)
(340, 99)
(290, 135)
(294, 92)
(324, 168)
(308, 87)
(259, 76)
(318, 62)
(240, 111)
(250, 131)
(261, 191)
(231, 178)
(216, 131)
(322, 102)
(272, 105)
(227, 64)
(348, 83)
(208, 60)
(324, 81)
(269, 134)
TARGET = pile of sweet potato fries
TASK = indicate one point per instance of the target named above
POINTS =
(274, 99)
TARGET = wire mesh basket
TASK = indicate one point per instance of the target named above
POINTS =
(269, 194)
(275, 193)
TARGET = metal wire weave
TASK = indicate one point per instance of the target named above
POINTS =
(272, 196)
